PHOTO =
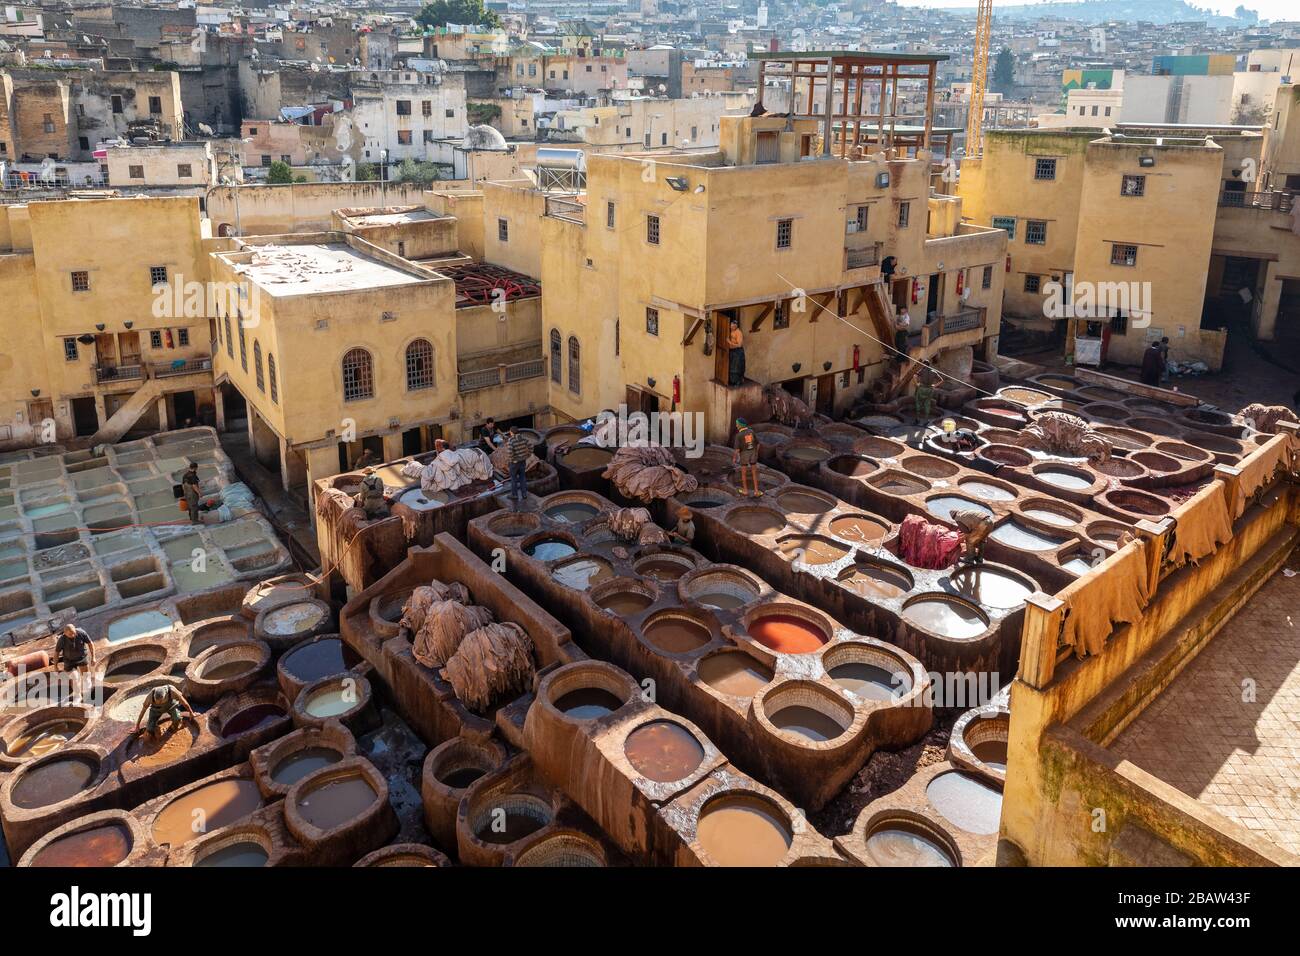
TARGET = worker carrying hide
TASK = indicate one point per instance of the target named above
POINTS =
(371, 496)
(975, 528)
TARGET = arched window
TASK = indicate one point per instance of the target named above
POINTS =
(230, 339)
(270, 374)
(419, 365)
(257, 365)
(358, 375)
(575, 361)
(557, 369)
(243, 349)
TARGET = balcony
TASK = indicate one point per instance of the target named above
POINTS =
(112, 374)
(570, 210)
(942, 327)
(500, 375)
(1268, 201)
(182, 367)
(862, 258)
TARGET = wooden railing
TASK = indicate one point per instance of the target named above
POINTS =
(1271, 201)
(500, 375)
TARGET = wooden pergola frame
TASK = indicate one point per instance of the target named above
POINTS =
(863, 80)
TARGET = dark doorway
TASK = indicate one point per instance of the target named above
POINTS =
(185, 410)
(84, 417)
(826, 395)
(234, 407)
(411, 441)
(1233, 300)
(933, 289)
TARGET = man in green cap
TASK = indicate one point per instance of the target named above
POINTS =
(924, 396)
(746, 456)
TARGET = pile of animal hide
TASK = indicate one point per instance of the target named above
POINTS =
(1265, 417)
(634, 524)
(1060, 433)
(648, 473)
(412, 469)
(445, 625)
(454, 469)
(500, 459)
(492, 663)
(925, 545)
(786, 408)
(425, 596)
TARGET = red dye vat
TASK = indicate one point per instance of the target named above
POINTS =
(787, 634)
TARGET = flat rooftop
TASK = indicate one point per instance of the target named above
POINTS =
(1237, 757)
(392, 217)
(313, 268)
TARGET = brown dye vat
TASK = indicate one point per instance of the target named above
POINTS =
(461, 777)
(897, 483)
(1113, 413)
(743, 830)
(625, 602)
(786, 634)
(662, 569)
(877, 447)
(513, 525)
(1118, 468)
(1155, 426)
(874, 580)
(588, 703)
(1154, 461)
(992, 753)
(1137, 503)
(1025, 396)
(581, 573)
(945, 616)
(1057, 381)
(54, 781)
(1179, 450)
(852, 465)
(930, 467)
(302, 762)
(676, 635)
(173, 743)
(804, 503)
(966, 802)
(663, 751)
(130, 671)
(45, 737)
(1102, 392)
(810, 549)
(211, 635)
(583, 458)
(1124, 438)
(869, 681)
(806, 722)
(511, 820)
(250, 717)
(1006, 455)
(228, 670)
(311, 662)
(106, 845)
(573, 512)
(243, 854)
(756, 520)
(991, 587)
(899, 843)
(858, 528)
(336, 801)
(1105, 532)
(735, 673)
(206, 809)
(806, 453)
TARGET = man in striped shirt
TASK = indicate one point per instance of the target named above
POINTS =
(519, 449)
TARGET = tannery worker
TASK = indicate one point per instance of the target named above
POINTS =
(365, 459)
(1154, 362)
(924, 396)
(73, 648)
(163, 701)
(746, 456)
(975, 527)
(902, 329)
(685, 530)
(519, 448)
(735, 354)
(371, 496)
(489, 436)
(190, 485)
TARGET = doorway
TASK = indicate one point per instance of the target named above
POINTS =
(826, 395)
(184, 410)
(85, 420)
(128, 348)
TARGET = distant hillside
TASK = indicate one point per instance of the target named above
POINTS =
(1099, 11)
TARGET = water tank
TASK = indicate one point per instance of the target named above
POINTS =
(552, 158)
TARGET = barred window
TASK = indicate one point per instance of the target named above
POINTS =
(183, 337)
(257, 366)
(243, 347)
(503, 230)
(270, 374)
(1133, 186)
(230, 340)
(784, 230)
(419, 365)
(81, 282)
(1008, 223)
(781, 316)
(157, 275)
(987, 281)
(652, 230)
(155, 339)
(358, 375)
(557, 368)
(609, 215)
(616, 337)
(904, 214)
(1123, 254)
(69, 350)
(1035, 232)
(575, 361)
(1032, 283)
(652, 321)
(1044, 168)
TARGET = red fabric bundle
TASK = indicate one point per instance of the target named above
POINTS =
(926, 545)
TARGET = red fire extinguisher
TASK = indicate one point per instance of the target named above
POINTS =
(169, 339)
(916, 291)
(857, 354)
(677, 389)
(961, 278)
(1008, 263)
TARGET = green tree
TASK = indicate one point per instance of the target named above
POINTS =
(279, 173)
(366, 172)
(439, 13)
(410, 171)
(1004, 70)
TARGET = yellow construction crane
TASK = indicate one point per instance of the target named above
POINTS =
(979, 76)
